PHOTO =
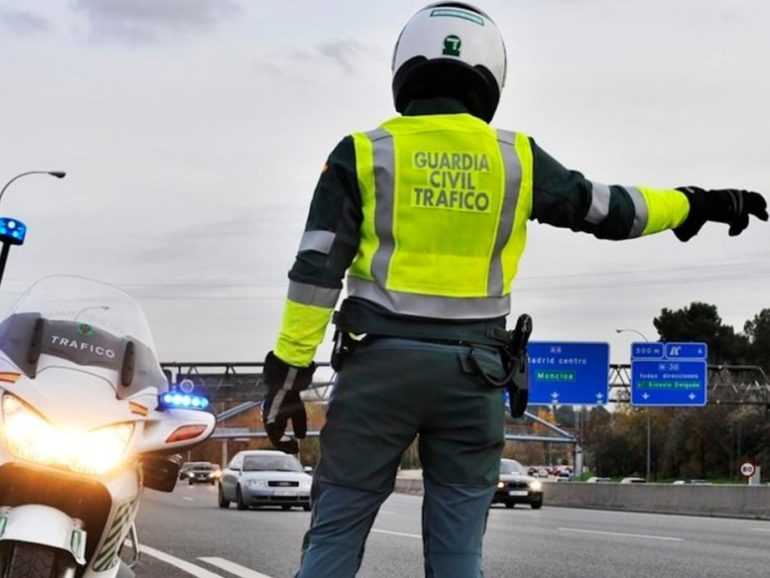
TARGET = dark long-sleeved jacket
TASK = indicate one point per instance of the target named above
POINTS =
(560, 197)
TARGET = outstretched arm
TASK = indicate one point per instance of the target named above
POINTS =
(565, 198)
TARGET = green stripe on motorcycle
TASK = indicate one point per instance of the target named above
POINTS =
(111, 547)
(118, 525)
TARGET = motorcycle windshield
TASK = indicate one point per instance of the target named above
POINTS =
(87, 323)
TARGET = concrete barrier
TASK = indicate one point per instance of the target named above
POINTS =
(411, 486)
(692, 500)
(718, 500)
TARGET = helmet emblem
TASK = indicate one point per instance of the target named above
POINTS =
(452, 45)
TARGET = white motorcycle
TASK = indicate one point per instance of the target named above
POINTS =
(86, 421)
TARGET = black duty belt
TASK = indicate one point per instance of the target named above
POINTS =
(358, 319)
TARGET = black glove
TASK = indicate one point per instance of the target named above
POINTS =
(731, 206)
(284, 383)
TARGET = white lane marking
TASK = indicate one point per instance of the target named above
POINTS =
(761, 529)
(621, 534)
(196, 571)
(233, 568)
(418, 536)
(186, 499)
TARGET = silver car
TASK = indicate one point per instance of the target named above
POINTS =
(264, 478)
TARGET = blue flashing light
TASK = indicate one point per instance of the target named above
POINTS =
(172, 400)
(12, 231)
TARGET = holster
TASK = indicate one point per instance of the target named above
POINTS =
(515, 364)
(343, 346)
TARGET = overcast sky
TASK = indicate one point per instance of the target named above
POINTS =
(193, 132)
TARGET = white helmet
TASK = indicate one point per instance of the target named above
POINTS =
(450, 49)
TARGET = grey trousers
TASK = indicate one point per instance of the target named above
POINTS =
(389, 392)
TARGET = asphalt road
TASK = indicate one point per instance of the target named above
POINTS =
(186, 534)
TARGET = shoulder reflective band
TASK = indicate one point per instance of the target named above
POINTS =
(307, 294)
(318, 240)
(640, 210)
(600, 203)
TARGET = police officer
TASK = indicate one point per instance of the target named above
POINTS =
(427, 214)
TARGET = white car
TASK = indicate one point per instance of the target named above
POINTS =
(264, 478)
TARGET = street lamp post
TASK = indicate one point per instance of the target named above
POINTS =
(647, 411)
(639, 333)
(13, 232)
(57, 174)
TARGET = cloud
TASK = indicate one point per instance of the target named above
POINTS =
(22, 22)
(147, 20)
(342, 52)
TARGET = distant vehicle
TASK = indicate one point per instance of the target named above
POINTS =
(632, 480)
(597, 480)
(264, 478)
(200, 473)
(692, 483)
(183, 471)
(564, 476)
(516, 487)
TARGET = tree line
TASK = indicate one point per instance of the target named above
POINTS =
(704, 443)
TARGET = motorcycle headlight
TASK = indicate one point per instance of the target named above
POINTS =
(536, 486)
(32, 438)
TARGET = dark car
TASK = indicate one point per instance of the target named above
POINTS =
(200, 473)
(516, 487)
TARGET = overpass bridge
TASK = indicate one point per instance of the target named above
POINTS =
(235, 388)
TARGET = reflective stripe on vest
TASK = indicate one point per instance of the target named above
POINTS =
(445, 200)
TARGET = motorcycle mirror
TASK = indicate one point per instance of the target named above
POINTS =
(35, 346)
(161, 472)
(129, 362)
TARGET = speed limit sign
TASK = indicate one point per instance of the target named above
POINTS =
(748, 469)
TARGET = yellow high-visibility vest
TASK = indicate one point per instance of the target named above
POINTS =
(445, 200)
